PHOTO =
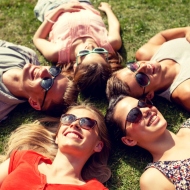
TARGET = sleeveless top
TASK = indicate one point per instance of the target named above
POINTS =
(177, 50)
(178, 171)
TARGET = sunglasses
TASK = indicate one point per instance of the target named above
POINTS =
(135, 114)
(142, 79)
(95, 50)
(84, 122)
(47, 83)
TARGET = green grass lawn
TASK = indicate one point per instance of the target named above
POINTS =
(140, 20)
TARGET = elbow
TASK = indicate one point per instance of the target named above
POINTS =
(142, 55)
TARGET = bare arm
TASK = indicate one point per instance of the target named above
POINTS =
(47, 48)
(170, 34)
(4, 170)
(114, 26)
(147, 50)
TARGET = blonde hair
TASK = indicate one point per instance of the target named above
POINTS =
(35, 136)
(40, 137)
(96, 166)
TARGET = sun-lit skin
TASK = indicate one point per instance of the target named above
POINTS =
(147, 129)
(72, 137)
(89, 44)
(151, 69)
(31, 79)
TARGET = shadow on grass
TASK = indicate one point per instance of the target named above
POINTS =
(127, 165)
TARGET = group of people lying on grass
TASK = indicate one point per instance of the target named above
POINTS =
(72, 152)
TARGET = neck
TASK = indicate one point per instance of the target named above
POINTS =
(169, 70)
(65, 165)
(160, 147)
(12, 80)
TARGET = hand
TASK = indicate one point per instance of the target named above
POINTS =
(71, 7)
(104, 6)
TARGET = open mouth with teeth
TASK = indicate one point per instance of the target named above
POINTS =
(73, 134)
(152, 119)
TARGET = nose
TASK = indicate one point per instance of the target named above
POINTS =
(146, 111)
(75, 124)
(142, 67)
(45, 73)
(89, 46)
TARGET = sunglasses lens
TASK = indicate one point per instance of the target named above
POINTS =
(55, 71)
(142, 79)
(83, 52)
(46, 83)
(133, 66)
(134, 116)
(87, 123)
(100, 50)
(68, 119)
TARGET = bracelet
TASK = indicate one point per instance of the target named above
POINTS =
(50, 21)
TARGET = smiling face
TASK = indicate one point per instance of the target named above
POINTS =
(31, 82)
(72, 138)
(150, 126)
(151, 69)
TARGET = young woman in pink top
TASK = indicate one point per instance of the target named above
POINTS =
(74, 33)
(73, 158)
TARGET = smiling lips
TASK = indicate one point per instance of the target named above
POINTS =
(34, 73)
(152, 119)
(73, 134)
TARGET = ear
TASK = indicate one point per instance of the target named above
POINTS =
(34, 104)
(150, 95)
(128, 141)
(99, 146)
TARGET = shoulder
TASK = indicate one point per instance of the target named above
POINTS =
(146, 52)
(181, 94)
(154, 179)
(184, 128)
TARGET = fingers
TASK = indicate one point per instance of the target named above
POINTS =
(103, 6)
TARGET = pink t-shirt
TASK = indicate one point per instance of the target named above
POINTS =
(72, 26)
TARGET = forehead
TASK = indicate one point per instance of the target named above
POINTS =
(93, 58)
(123, 107)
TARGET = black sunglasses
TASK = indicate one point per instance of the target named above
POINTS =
(142, 79)
(135, 114)
(84, 122)
(47, 83)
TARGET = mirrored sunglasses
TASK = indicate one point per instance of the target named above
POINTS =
(84, 122)
(95, 50)
(142, 79)
(135, 114)
(47, 82)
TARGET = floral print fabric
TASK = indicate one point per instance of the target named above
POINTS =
(178, 172)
